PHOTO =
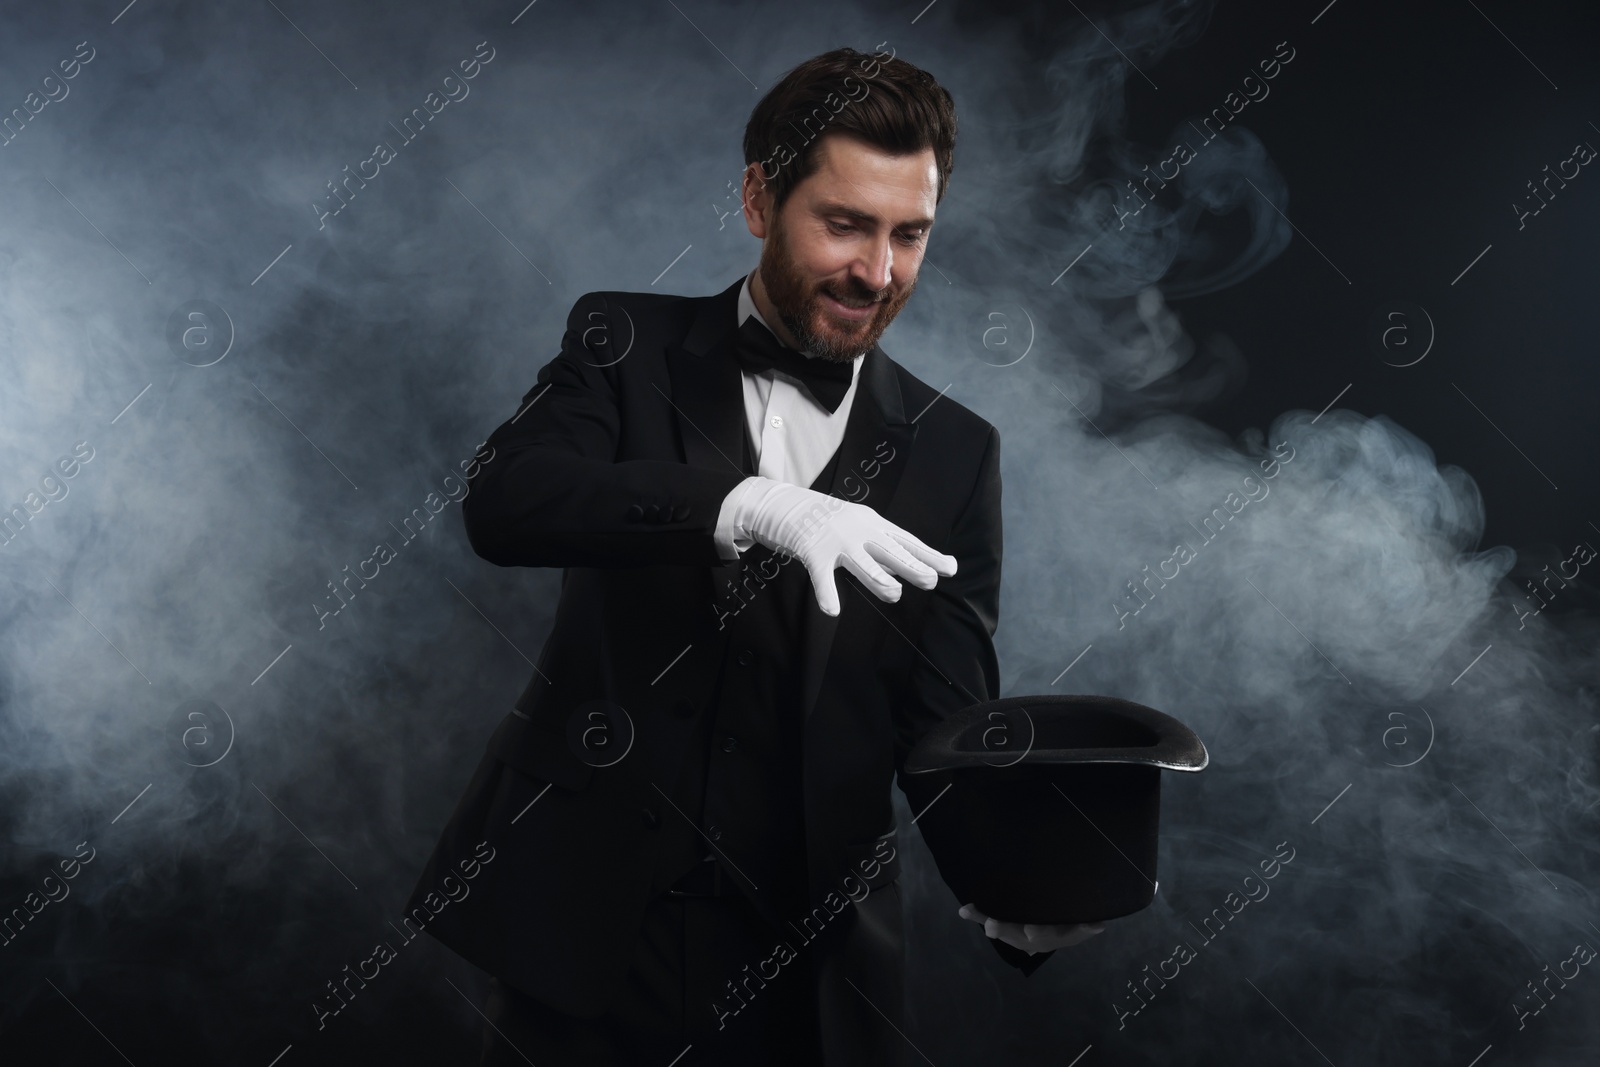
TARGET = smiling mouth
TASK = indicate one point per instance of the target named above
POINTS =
(847, 309)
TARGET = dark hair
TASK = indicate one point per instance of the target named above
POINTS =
(885, 101)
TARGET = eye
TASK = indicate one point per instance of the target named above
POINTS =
(911, 239)
(840, 227)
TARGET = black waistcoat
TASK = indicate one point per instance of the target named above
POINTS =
(741, 774)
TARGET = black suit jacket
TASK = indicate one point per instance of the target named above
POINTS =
(614, 468)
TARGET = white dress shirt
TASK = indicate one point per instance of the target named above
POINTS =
(791, 435)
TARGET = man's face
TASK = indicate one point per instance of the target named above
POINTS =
(840, 258)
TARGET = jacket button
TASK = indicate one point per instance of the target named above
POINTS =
(680, 512)
(747, 657)
(730, 743)
(652, 513)
(651, 819)
(634, 514)
(714, 832)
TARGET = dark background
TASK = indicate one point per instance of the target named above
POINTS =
(1350, 649)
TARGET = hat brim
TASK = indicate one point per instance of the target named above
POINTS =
(1056, 730)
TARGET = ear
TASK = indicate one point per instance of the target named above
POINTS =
(757, 201)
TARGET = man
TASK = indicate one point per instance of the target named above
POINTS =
(690, 806)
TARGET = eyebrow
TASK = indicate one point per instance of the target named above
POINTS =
(836, 208)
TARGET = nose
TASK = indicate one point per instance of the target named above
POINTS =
(874, 269)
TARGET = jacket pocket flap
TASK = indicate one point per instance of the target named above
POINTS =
(537, 753)
(877, 861)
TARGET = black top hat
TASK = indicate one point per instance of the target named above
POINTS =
(1053, 805)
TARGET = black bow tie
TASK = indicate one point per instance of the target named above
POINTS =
(758, 350)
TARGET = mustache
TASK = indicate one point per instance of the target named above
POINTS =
(857, 295)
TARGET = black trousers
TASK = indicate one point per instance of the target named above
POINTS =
(674, 1006)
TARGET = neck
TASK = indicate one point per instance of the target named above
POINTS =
(758, 293)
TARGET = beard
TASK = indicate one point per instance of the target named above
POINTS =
(808, 319)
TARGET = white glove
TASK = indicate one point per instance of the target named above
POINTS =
(824, 532)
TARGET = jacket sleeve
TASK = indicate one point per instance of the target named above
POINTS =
(551, 492)
(954, 664)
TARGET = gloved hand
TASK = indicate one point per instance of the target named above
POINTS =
(824, 532)
(1033, 938)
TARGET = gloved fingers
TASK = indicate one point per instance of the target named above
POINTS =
(877, 580)
(822, 583)
(1032, 937)
(895, 558)
(944, 564)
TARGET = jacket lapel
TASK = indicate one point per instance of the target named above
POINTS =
(708, 402)
(707, 391)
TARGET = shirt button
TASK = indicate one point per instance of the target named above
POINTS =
(747, 657)
(777, 420)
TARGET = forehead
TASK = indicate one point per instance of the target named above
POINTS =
(872, 181)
